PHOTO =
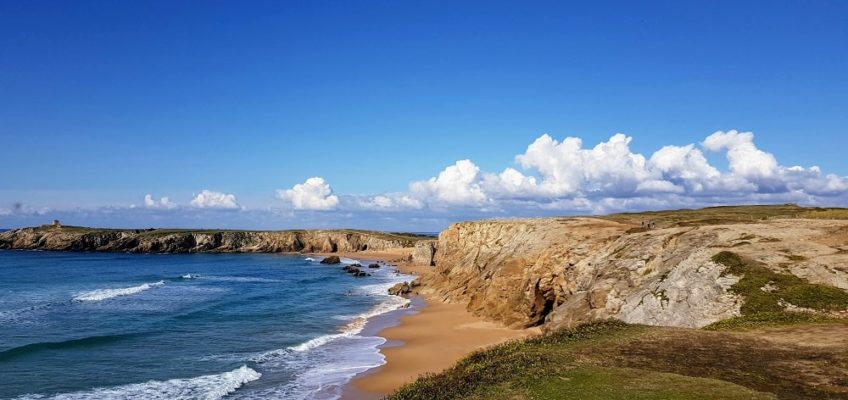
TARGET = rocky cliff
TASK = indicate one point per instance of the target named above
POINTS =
(424, 253)
(561, 272)
(186, 241)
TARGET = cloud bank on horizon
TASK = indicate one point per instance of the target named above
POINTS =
(565, 176)
(556, 177)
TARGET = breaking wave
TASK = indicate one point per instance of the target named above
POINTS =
(106, 294)
(206, 387)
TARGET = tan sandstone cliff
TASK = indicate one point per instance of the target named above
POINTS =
(564, 271)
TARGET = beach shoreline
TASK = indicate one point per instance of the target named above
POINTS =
(427, 337)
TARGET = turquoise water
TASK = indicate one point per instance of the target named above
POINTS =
(100, 326)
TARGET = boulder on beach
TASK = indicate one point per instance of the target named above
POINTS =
(331, 260)
(400, 289)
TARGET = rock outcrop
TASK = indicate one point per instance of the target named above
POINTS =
(186, 241)
(560, 272)
(424, 253)
(403, 288)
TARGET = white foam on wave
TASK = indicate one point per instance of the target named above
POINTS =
(309, 259)
(322, 373)
(206, 387)
(319, 341)
(354, 327)
(346, 260)
(324, 365)
(105, 294)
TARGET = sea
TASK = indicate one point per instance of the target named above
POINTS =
(174, 326)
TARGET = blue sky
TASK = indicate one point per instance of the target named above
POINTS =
(102, 103)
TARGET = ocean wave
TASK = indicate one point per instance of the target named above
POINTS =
(106, 294)
(346, 260)
(206, 387)
(353, 327)
(322, 372)
(309, 259)
(240, 279)
(356, 324)
(319, 341)
(86, 342)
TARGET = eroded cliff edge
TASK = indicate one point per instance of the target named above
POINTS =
(560, 272)
(190, 241)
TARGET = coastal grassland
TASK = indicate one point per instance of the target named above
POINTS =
(825, 213)
(766, 353)
(766, 292)
(727, 215)
(613, 360)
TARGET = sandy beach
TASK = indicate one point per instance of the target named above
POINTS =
(433, 338)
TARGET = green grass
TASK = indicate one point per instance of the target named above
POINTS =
(787, 287)
(766, 319)
(517, 365)
(609, 383)
(727, 215)
(825, 213)
(613, 360)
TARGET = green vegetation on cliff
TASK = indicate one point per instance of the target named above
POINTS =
(766, 293)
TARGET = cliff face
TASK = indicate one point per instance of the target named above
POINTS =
(562, 272)
(424, 253)
(80, 239)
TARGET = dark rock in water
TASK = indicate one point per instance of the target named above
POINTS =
(331, 260)
(355, 271)
(360, 274)
(374, 265)
(400, 289)
(357, 265)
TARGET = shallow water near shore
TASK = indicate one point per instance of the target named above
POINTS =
(148, 326)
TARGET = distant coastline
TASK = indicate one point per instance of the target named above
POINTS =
(73, 238)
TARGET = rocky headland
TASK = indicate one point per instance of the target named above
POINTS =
(719, 303)
(69, 238)
(651, 268)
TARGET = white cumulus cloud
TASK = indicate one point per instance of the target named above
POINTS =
(386, 202)
(458, 184)
(744, 158)
(213, 199)
(162, 203)
(313, 194)
(564, 174)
